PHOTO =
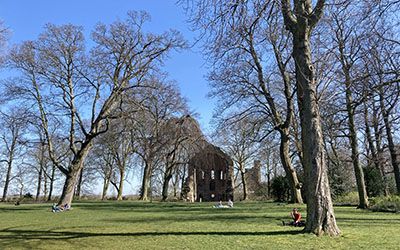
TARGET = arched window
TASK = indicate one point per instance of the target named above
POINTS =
(212, 175)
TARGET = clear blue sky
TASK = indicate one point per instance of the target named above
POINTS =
(26, 19)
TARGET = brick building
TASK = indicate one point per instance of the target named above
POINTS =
(210, 176)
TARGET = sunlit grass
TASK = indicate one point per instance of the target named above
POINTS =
(139, 225)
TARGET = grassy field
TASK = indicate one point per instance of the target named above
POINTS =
(139, 225)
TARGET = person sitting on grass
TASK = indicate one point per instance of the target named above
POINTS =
(61, 208)
(296, 216)
(230, 203)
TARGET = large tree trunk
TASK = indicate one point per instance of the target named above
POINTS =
(392, 149)
(291, 175)
(74, 171)
(79, 185)
(145, 182)
(106, 183)
(69, 187)
(167, 179)
(362, 190)
(300, 22)
(320, 214)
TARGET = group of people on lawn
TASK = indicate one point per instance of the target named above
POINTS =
(295, 214)
(61, 208)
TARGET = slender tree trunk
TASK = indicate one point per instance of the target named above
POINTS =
(244, 181)
(183, 180)
(10, 161)
(121, 183)
(291, 175)
(39, 183)
(53, 172)
(392, 148)
(359, 173)
(374, 153)
(7, 180)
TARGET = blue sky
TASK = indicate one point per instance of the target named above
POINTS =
(26, 19)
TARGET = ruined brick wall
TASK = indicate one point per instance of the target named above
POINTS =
(210, 176)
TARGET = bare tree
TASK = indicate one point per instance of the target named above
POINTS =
(348, 34)
(240, 142)
(300, 19)
(157, 105)
(58, 65)
(182, 136)
(13, 126)
(239, 40)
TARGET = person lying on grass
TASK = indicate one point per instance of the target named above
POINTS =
(296, 216)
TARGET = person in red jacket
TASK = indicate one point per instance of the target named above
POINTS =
(296, 216)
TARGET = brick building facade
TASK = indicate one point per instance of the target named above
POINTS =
(210, 176)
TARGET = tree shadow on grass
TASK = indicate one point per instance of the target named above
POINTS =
(29, 238)
(17, 234)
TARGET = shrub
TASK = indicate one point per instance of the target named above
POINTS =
(386, 204)
(350, 198)
(374, 182)
(280, 188)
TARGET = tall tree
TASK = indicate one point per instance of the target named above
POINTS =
(239, 38)
(348, 32)
(13, 126)
(57, 66)
(300, 20)
(157, 105)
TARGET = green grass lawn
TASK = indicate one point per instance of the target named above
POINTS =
(139, 225)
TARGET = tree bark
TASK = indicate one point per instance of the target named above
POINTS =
(79, 186)
(359, 173)
(145, 182)
(121, 183)
(73, 173)
(53, 172)
(374, 153)
(167, 179)
(7, 181)
(244, 182)
(392, 148)
(9, 167)
(320, 214)
(291, 175)
(39, 183)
